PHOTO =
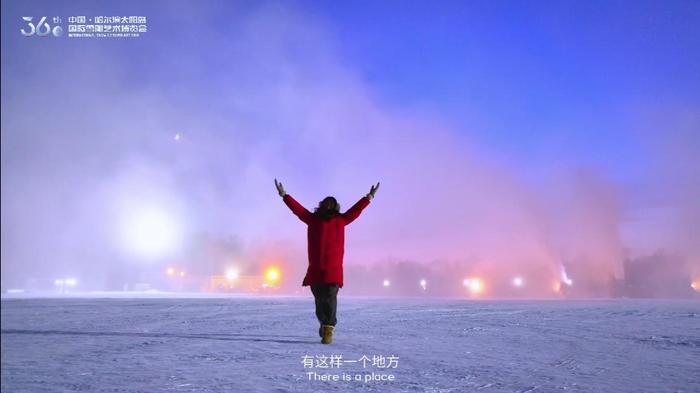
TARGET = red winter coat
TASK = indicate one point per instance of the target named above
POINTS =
(326, 240)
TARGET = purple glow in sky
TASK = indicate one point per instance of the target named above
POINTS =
(514, 136)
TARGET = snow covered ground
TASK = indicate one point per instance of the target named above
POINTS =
(271, 344)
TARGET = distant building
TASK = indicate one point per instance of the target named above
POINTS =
(658, 275)
(242, 284)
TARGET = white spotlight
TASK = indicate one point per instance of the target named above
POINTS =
(231, 274)
(423, 284)
(565, 277)
(518, 281)
(386, 283)
(150, 231)
(476, 286)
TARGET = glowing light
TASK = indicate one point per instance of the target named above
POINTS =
(62, 283)
(695, 286)
(182, 274)
(231, 274)
(150, 231)
(476, 286)
(272, 275)
(177, 137)
(423, 284)
(565, 277)
(518, 281)
(556, 286)
(466, 282)
(170, 271)
(386, 283)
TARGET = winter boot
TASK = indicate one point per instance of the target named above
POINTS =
(326, 334)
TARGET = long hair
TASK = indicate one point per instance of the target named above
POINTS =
(327, 208)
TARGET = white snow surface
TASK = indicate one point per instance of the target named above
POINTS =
(248, 344)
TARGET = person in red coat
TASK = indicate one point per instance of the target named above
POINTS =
(326, 246)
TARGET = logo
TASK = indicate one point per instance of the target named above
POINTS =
(42, 28)
(86, 26)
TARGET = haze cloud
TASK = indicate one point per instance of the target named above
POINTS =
(94, 136)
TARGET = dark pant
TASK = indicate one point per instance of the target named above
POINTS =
(326, 302)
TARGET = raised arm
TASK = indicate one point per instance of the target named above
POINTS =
(354, 212)
(296, 207)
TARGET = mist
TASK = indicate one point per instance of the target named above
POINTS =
(191, 129)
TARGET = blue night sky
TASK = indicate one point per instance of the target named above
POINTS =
(529, 118)
(545, 80)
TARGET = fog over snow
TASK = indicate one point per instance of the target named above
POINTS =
(124, 156)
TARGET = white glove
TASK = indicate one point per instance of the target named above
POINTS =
(280, 188)
(372, 191)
